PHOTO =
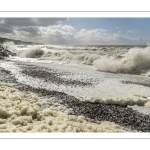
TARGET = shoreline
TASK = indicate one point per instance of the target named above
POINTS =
(93, 112)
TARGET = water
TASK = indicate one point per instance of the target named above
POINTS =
(95, 74)
(114, 72)
(133, 60)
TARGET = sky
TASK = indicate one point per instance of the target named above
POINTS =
(78, 31)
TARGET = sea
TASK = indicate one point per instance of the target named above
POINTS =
(117, 67)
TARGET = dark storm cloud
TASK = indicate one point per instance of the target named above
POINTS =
(31, 30)
(30, 25)
(6, 29)
(32, 21)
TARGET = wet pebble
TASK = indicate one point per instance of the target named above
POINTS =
(93, 112)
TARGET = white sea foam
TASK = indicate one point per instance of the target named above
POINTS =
(61, 55)
(131, 100)
(21, 112)
(32, 53)
(137, 60)
(141, 109)
(148, 73)
(78, 54)
(104, 91)
(9, 45)
(80, 58)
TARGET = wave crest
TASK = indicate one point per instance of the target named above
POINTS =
(136, 61)
(33, 53)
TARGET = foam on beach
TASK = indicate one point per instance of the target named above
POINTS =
(132, 100)
(21, 112)
(142, 109)
(108, 90)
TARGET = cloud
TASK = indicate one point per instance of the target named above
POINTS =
(27, 26)
(32, 21)
(67, 34)
(129, 31)
(68, 28)
(101, 36)
(51, 31)
(59, 30)
(95, 36)
(31, 30)
(6, 29)
(117, 28)
(125, 39)
(57, 34)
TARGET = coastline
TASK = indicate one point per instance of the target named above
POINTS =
(129, 120)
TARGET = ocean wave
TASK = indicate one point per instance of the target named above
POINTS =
(120, 60)
(9, 45)
(87, 59)
(83, 58)
(136, 61)
(32, 53)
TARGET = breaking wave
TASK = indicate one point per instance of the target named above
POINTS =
(9, 45)
(136, 61)
(124, 60)
(87, 59)
(83, 58)
(32, 53)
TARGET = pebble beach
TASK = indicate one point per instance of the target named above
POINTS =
(58, 96)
